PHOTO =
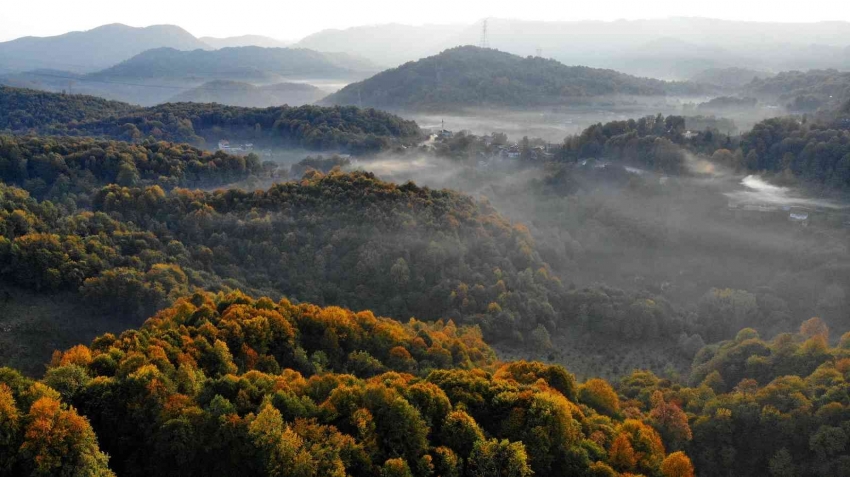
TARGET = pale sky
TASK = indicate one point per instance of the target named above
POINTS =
(290, 20)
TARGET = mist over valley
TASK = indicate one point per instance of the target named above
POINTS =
(449, 247)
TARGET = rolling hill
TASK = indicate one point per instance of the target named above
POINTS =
(22, 109)
(476, 77)
(248, 62)
(155, 76)
(234, 93)
(311, 127)
(803, 91)
(92, 50)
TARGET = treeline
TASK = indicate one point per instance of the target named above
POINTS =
(812, 151)
(311, 127)
(804, 91)
(816, 151)
(777, 407)
(656, 143)
(64, 169)
(24, 109)
(229, 384)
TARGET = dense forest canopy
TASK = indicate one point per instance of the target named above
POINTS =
(342, 238)
(476, 77)
(229, 384)
(64, 168)
(311, 127)
(22, 109)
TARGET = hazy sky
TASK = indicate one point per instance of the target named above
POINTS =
(287, 19)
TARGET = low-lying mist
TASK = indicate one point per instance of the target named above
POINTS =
(555, 123)
(597, 222)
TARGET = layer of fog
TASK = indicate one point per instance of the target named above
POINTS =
(758, 191)
(553, 124)
(676, 236)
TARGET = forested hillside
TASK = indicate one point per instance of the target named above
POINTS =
(347, 239)
(815, 152)
(229, 384)
(73, 169)
(220, 382)
(804, 91)
(474, 77)
(312, 127)
(776, 407)
(234, 93)
(22, 109)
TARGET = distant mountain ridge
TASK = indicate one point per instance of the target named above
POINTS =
(91, 50)
(623, 45)
(155, 76)
(388, 45)
(232, 63)
(244, 40)
(469, 76)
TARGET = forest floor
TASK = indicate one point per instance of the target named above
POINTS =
(33, 325)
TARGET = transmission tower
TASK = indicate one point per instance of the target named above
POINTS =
(484, 42)
(539, 52)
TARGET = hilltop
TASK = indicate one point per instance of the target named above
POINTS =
(476, 77)
(234, 93)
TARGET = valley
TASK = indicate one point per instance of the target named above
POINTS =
(493, 248)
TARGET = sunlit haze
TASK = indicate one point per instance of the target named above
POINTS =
(446, 238)
(294, 20)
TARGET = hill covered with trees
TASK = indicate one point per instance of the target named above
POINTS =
(72, 169)
(225, 382)
(23, 109)
(812, 151)
(320, 128)
(347, 239)
(804, 91)
(235, 93)
(231, 384)
(760, 407)
(476, 77)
